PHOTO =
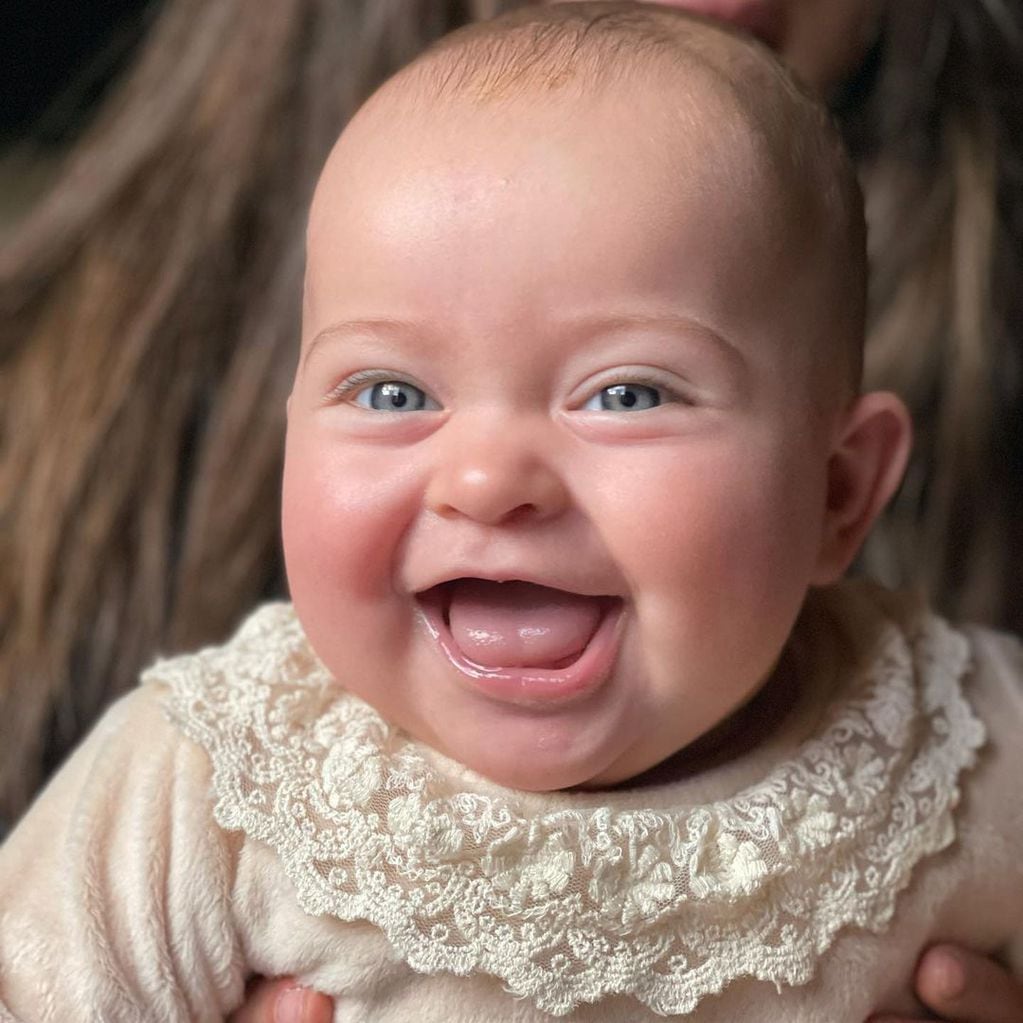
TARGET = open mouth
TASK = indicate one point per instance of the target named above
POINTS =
(521, 640)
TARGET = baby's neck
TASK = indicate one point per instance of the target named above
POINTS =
(741, 732)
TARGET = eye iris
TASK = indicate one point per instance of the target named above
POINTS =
(393, 396)
(629, 397)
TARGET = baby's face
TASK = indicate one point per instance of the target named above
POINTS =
(549, 346)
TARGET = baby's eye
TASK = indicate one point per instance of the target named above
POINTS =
(395, 396)
(624, 398)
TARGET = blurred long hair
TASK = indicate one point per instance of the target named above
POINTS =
(151, 306)
(151, 302)
(937, 132)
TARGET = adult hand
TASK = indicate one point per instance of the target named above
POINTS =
(282, 1001)
(963, 987)
(959, 985)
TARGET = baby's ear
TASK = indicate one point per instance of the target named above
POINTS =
(864, 470)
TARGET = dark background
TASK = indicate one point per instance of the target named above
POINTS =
(56, 58)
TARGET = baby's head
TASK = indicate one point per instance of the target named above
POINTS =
(576, 422)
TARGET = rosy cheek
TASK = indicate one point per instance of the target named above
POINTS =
(345, 510)
(677, 510)
(705, 526)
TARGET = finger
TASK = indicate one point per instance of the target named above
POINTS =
(282, 1001)
(260, 995)
(966, 987)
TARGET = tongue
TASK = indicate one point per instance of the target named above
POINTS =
(516, 624)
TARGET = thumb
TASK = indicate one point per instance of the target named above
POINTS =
(966, 987)
(282, 1000)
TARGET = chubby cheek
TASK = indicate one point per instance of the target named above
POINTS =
(345, 512)
(718, 552)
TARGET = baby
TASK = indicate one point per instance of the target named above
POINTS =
(570, 715)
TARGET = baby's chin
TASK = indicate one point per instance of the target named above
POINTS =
(549, 768)
(556, 756)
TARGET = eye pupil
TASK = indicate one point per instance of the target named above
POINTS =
(628, 397)
(394, 395)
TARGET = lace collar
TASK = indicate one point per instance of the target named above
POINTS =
(584, 901)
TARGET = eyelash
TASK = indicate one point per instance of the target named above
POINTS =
(357, 381)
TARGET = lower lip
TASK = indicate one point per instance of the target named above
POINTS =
(760, 18)
(537, 687)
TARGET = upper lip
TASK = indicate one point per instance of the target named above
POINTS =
(567, 581)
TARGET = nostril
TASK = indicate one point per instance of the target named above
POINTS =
(521, 513)
(513, 516)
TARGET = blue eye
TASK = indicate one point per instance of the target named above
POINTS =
(395, 396)
(624, 398)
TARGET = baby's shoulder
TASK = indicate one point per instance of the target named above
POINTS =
(268, 648)
(994, 687)
(275, 726)
(265, 673)
(873, 631)
(997, 663)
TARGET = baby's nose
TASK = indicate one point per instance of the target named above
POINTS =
(495, 479)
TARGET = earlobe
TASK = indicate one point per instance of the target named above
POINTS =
(864, 471)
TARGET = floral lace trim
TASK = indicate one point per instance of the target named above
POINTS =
(577, 904)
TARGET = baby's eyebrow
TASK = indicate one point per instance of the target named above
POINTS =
(364, 329)
(388, 332)
(673, 322)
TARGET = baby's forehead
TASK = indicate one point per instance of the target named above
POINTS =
(696, 110)
(709, 97)
(725, 118)
(666, 134)
(416, 143)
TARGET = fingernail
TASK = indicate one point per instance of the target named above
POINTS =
(290, 1006)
